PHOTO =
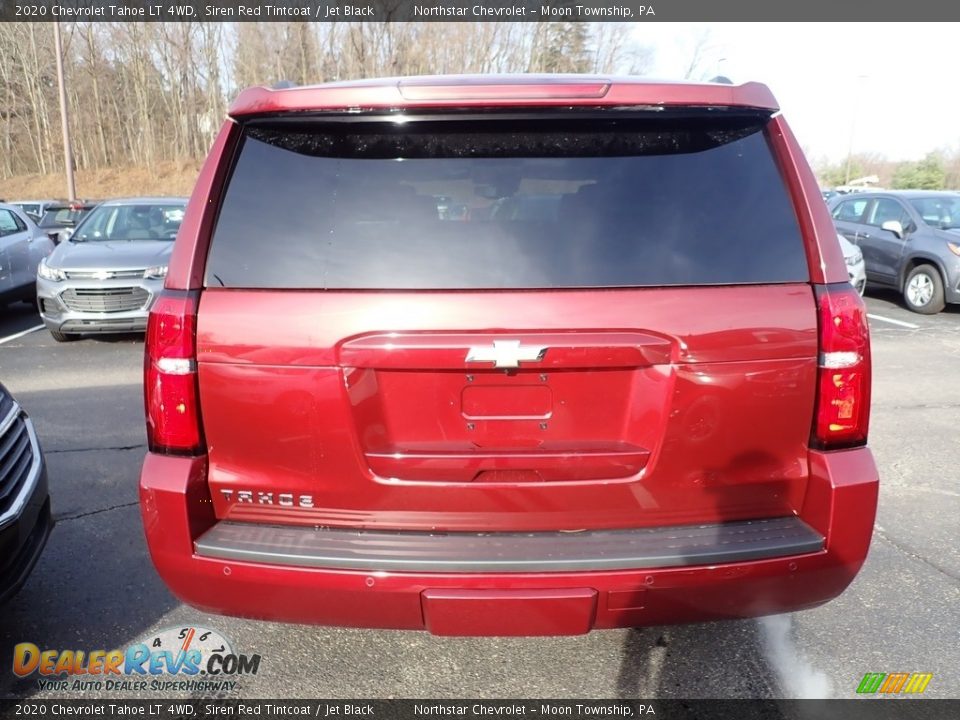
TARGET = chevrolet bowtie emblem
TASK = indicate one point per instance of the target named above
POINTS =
(506, 353)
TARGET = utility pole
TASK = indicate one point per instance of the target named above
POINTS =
(64, 120)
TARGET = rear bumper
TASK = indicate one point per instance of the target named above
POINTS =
(509, 552)
(840, 506)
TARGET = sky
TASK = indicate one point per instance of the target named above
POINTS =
(886, 88)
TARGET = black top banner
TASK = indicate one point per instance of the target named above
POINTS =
(472, 11)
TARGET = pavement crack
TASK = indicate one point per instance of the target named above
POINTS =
(96, 512)
(910, 552)
(91, 449)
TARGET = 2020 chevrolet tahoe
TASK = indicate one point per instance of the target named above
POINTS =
(639, 397)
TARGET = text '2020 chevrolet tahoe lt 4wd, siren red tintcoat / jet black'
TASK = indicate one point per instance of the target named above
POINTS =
(626, 383)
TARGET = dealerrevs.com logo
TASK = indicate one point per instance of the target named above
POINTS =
(175, 659)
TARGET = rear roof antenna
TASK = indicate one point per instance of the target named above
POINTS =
(721, 79)
(283, 85)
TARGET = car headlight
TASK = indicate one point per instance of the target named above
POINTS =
(49, 273)
(854, 259)
(157, 272)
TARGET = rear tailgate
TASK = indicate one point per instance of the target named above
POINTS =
(636, 348)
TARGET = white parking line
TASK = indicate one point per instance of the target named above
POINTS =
(901, 323)
(20, 334)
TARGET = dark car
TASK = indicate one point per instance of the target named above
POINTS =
(61, 217)
(599, 399)
(910, 242)
(25, 519)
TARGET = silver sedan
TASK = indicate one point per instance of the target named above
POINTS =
(22, 246)
(856, 268)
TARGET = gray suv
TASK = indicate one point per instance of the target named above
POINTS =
(910, 241)
(104, 278)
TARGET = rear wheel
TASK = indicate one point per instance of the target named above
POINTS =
(61, 337)
(923, 290)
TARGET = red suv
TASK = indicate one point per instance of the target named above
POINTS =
(640, 396)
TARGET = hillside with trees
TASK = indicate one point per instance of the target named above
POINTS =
(146, 99)
(147, 93)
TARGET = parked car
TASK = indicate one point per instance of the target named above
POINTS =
(59, 219)
(856, 268)
(628, 408)
(22, 247)
(104, 278)
(910, 241)
(34, 208)
(25, 519)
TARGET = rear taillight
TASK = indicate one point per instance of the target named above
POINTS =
(170, 376)
(843, 388)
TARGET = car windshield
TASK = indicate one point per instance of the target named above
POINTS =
(938, 212)
(138, 221)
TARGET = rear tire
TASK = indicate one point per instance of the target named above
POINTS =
(923, 290)
(61, 337)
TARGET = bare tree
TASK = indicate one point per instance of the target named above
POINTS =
(702, 55)
(142, 93)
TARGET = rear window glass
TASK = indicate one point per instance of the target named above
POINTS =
(61, 217)
(30, 208)
(502, 203)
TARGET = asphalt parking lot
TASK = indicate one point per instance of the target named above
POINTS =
(94, 587)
